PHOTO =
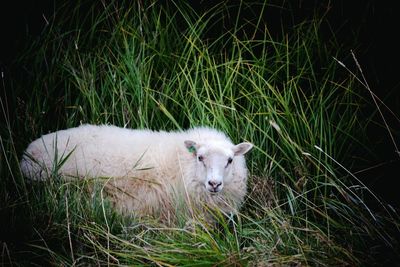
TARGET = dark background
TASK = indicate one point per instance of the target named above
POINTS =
(372, 27)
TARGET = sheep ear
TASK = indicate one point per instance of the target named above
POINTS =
(242, 148)
(191, 146)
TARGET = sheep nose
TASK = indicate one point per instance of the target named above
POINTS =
(214, 185)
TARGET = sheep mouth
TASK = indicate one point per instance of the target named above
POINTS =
(214, 191)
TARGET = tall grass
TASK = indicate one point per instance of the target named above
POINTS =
(160, 67)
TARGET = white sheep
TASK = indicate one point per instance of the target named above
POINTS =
(146, 171)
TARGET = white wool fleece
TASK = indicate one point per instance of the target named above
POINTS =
(146, 170)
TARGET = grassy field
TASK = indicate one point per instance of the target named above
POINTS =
(166, 67)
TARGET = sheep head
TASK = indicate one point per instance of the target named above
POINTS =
(214, 161)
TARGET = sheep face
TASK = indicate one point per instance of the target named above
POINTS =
(214, 162)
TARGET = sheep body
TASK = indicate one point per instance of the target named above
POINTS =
(146, 171)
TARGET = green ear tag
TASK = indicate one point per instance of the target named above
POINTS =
(192, 149)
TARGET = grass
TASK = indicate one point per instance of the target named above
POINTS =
(168, 67)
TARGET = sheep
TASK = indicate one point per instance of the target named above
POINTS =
(147, 171)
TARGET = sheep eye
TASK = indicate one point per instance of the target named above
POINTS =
(230, 160)
(200, 158)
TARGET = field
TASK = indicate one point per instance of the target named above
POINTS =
(298, 95)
